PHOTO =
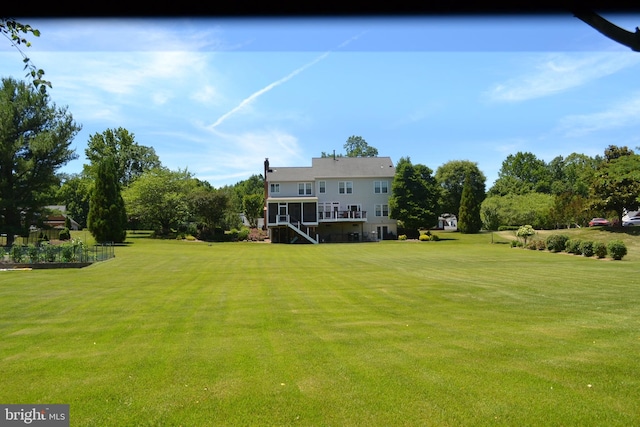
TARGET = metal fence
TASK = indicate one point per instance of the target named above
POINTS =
(69, 252)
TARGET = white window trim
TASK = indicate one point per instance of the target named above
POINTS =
(322, 187)
(383, 187)
(306, 189)
(274, 188)
(379, 210)
(347, 186)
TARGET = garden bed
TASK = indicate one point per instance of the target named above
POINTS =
(42, 265)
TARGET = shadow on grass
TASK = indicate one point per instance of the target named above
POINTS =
(629, 231)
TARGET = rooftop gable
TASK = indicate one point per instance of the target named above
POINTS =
(353, 167)
(339, 167)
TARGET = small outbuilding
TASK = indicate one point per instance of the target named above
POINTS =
(447, 222)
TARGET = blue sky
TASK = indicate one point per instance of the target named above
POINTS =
(218, 95)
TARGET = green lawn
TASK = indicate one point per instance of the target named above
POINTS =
(459, 332)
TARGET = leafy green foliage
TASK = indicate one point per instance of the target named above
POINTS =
(469, 216)
(15, 32)
(74, 194)
(160, 199)
(451, 176)
(64, 234)
(415, 196)
(107, 219)
(586, 248)
(616, 249)
(253, 205)
(556, 242)
(17, 252)
(516, 210)
(522, 173)
(35, 139)
(600, 249)
(33, 252)
(356, 146)
(616, 184)
(573, 246)
(130, 159)
(525, 232)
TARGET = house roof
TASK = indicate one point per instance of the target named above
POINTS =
(339, 167)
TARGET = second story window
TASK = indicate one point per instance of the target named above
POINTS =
(345, 187)
(382, 210)
(322, 187)
(274, 188)
(304, 188)
(381, 187)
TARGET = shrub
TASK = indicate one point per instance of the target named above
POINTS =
(424, 238)
(243, 234)
(65, 234)
(541, 245)
(572, 246)
(33, 252)
(556, 242)
(16, 253)
(67, 252)
(586, 247)
(50, 252)
(600, 249)
(402, 237)
(525, 232)
(508, 228)
(257, 235)
(616, 249)
(435, 238)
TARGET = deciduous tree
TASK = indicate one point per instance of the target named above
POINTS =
(253, 205)
(356, 146)
(131, 159)
(159, 198)
(415, 196)
(35, 139)
(451, 177)
(75, 194)
(616, 185)
(522, 173)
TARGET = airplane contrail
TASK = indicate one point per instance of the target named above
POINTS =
(267, 88)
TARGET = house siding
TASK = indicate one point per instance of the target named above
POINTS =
(331, 216)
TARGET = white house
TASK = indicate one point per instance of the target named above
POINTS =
(336, 199)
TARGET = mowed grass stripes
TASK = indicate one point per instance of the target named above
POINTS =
(449, 333)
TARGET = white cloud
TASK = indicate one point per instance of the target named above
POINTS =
(559, 72)
(622, 114)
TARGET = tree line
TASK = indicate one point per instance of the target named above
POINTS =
(125, 186)
(565, 192)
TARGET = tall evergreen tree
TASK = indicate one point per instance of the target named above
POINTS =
(469, 220)
(35, 140)
(107, 219)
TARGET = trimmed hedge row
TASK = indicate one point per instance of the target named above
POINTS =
(615, 249)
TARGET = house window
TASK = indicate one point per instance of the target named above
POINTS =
(381, 187)
(322, 187)
(345, 187)
(382, 210)
(304, 189)
(275, 188)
